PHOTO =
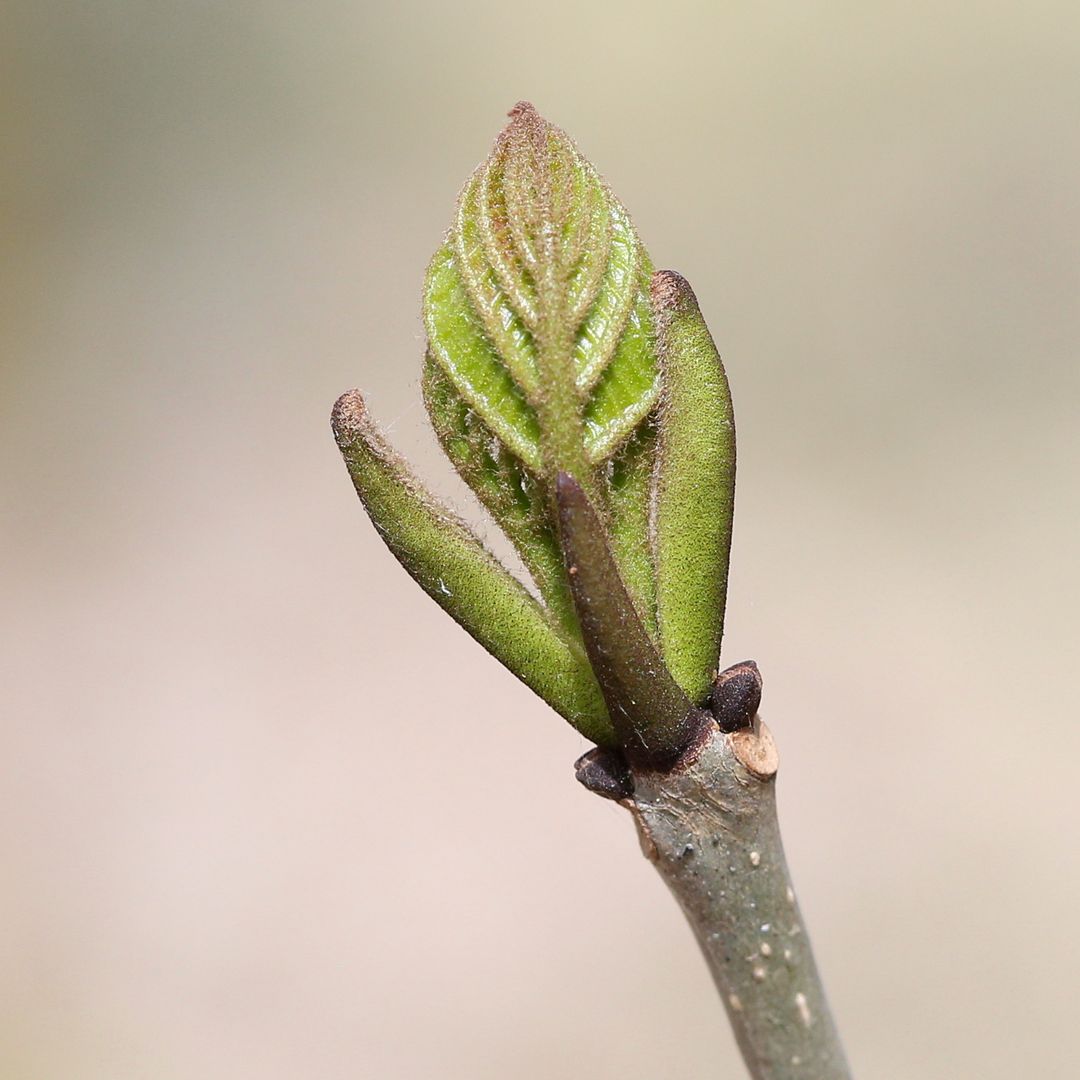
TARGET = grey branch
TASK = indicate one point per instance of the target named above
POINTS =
(709, 825)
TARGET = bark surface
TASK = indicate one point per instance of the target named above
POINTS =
(710, 827)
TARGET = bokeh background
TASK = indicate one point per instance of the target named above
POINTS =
(264, 811)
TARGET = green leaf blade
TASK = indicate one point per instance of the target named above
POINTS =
(695, 488)
(451, 565)
(605, 308)
(457, 340)
(537, 307)
(628, 389)
(508, 491)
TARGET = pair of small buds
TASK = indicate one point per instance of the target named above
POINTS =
(733, 702)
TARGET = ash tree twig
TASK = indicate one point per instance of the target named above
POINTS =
(579, 393)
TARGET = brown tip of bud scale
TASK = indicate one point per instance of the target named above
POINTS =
(670, 292)
(349, 417)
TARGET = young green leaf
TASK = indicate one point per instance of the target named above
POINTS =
(695, 488)
(454, 569)
(509, 492)
(546, 353)
(541, 350)
(537, 305)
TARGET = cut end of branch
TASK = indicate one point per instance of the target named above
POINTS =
(756, 750)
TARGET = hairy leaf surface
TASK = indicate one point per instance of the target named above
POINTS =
(553, 352)
(537, 308)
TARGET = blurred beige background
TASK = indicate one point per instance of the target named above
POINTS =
(264, 811)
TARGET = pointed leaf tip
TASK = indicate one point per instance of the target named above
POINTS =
(524, 109)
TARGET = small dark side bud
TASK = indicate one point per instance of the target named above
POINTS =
(736, 696)
(605, 773)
